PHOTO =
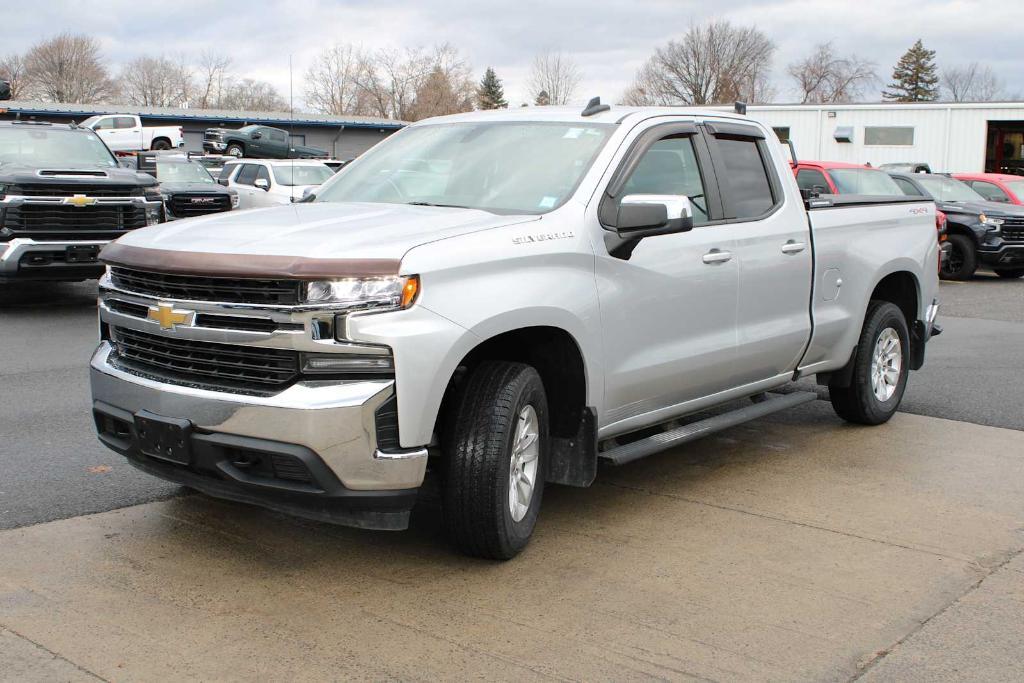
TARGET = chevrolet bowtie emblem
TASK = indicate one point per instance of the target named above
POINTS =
(168, 317)
(80, 200)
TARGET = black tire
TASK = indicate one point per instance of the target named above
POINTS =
(962, 261)
(1010, 273)
(858, 403)
(161, 144)
(235, 150)
(477, 460)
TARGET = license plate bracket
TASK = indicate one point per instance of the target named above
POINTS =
(82, 253)
(164, 438)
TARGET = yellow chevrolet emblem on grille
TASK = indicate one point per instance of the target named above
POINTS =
(168, 317)
(80, 200)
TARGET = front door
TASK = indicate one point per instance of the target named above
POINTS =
(668, 308)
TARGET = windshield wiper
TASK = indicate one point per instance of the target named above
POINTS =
(446, 206)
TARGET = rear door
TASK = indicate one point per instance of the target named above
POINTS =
(773, 248)
(129, 133)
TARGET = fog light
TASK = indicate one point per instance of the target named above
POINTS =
(342, 363)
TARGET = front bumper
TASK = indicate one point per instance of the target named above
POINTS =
(214, 145)
(1007, 255)
(249, 448)
(27, 259)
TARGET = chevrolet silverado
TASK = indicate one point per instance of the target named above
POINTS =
(502, 299)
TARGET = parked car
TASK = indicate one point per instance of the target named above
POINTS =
(5, 90)
(63, 196)
(189, 190)
(980, 232)
(996, 187)
(125, 133)
(546, 289)
(262, 182)
(835, 177)
(257, 142)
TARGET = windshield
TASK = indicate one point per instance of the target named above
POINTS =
(301, 175)
(864, 181)
(505, 167)
(247, 129)
(33, 145)
(943, 189)
(182, 172)
(89, 121)
(1016, 187)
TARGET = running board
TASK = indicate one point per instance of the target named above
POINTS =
(696, 430)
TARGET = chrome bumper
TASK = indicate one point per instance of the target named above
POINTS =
(13, 251)
(334, 419)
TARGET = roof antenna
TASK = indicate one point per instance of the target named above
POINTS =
(594, 106)
(741, 108)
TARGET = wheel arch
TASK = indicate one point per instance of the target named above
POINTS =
(164, 138)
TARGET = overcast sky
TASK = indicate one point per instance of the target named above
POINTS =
(608, 38)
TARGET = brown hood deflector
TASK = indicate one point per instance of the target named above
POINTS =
(244, 265)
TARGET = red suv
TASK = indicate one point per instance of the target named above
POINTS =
(836, 177)
(996, 187)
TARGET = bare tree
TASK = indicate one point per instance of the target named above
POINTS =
(333, 81)
(156, 82)
(556, 74)
(214, 79)
(253, 95)
(972, 83)
(714, 63)
(12, 70)
(69, 68)
(388, 87)
(826, 77)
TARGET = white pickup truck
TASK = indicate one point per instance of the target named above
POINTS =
(125, 133)
(502, 299)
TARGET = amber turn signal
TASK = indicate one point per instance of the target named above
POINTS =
(410, 290)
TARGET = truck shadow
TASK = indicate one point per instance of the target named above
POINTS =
(65, 295)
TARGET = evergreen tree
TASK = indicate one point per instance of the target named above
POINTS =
(490, 94)
(543, 99)
(915, 78)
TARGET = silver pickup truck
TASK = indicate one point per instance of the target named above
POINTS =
(503, 299)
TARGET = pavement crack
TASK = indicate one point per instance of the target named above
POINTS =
(785, 520)
(880, 655)
(54, 654)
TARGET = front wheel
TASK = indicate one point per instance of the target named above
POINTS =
(962, 261)
(1010, 273)
(495, 460)
(880, 370)
(234, 151)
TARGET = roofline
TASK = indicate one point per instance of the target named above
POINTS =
(1010, 104)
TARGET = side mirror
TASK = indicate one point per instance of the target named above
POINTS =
(647, 215)
(262, 184)
(256, 135)
(223, 181)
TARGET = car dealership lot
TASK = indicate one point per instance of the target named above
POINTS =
(794, 547)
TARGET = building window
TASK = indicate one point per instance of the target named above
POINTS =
(889, 135)
(782, 133)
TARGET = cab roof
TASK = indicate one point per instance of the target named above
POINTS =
(574, 114)
(999, 177)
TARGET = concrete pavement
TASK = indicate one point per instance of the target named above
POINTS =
(796, 547)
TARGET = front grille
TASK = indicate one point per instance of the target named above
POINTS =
(196, 288)
(69, 190)
(54, 221)
(1013, 229)
(186, 205)
(205, 363)
(213, 136)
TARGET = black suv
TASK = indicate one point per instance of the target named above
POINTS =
(980, 232)
(62, 197)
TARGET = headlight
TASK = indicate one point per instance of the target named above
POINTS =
(990, 222)
(152, 215)
(234, 201)
(378, 292)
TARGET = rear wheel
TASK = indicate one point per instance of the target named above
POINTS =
(880, 368)
(495, 460)
(962, 261)
(161, 144)
(1011, 273)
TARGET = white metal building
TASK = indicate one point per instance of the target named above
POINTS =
(965, 137)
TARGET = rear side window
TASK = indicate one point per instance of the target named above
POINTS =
(809, 179)
(278, 136)
(247, 176)
(670, 167)
(745, 173)
(989, 191)
(907, 187)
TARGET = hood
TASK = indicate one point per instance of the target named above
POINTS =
(195, 188)
(995, 209)
(319, 230)
(17, 174)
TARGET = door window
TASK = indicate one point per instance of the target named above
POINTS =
(263, 174)
(124, 122)
(278, 136)
(989, 191)
(907, 187)
(750, 190)
(247, 176)
(104, 124)
(809, 179)
(670, 167)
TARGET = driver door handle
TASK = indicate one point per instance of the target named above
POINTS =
(792, 247)
(717, 256)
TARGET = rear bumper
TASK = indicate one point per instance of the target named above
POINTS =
(27, 259)
(309, 450)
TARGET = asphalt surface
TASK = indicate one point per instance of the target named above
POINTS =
(55, 468)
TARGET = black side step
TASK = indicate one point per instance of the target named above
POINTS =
(695, 430)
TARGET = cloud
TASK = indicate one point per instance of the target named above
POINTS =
(608, 38)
